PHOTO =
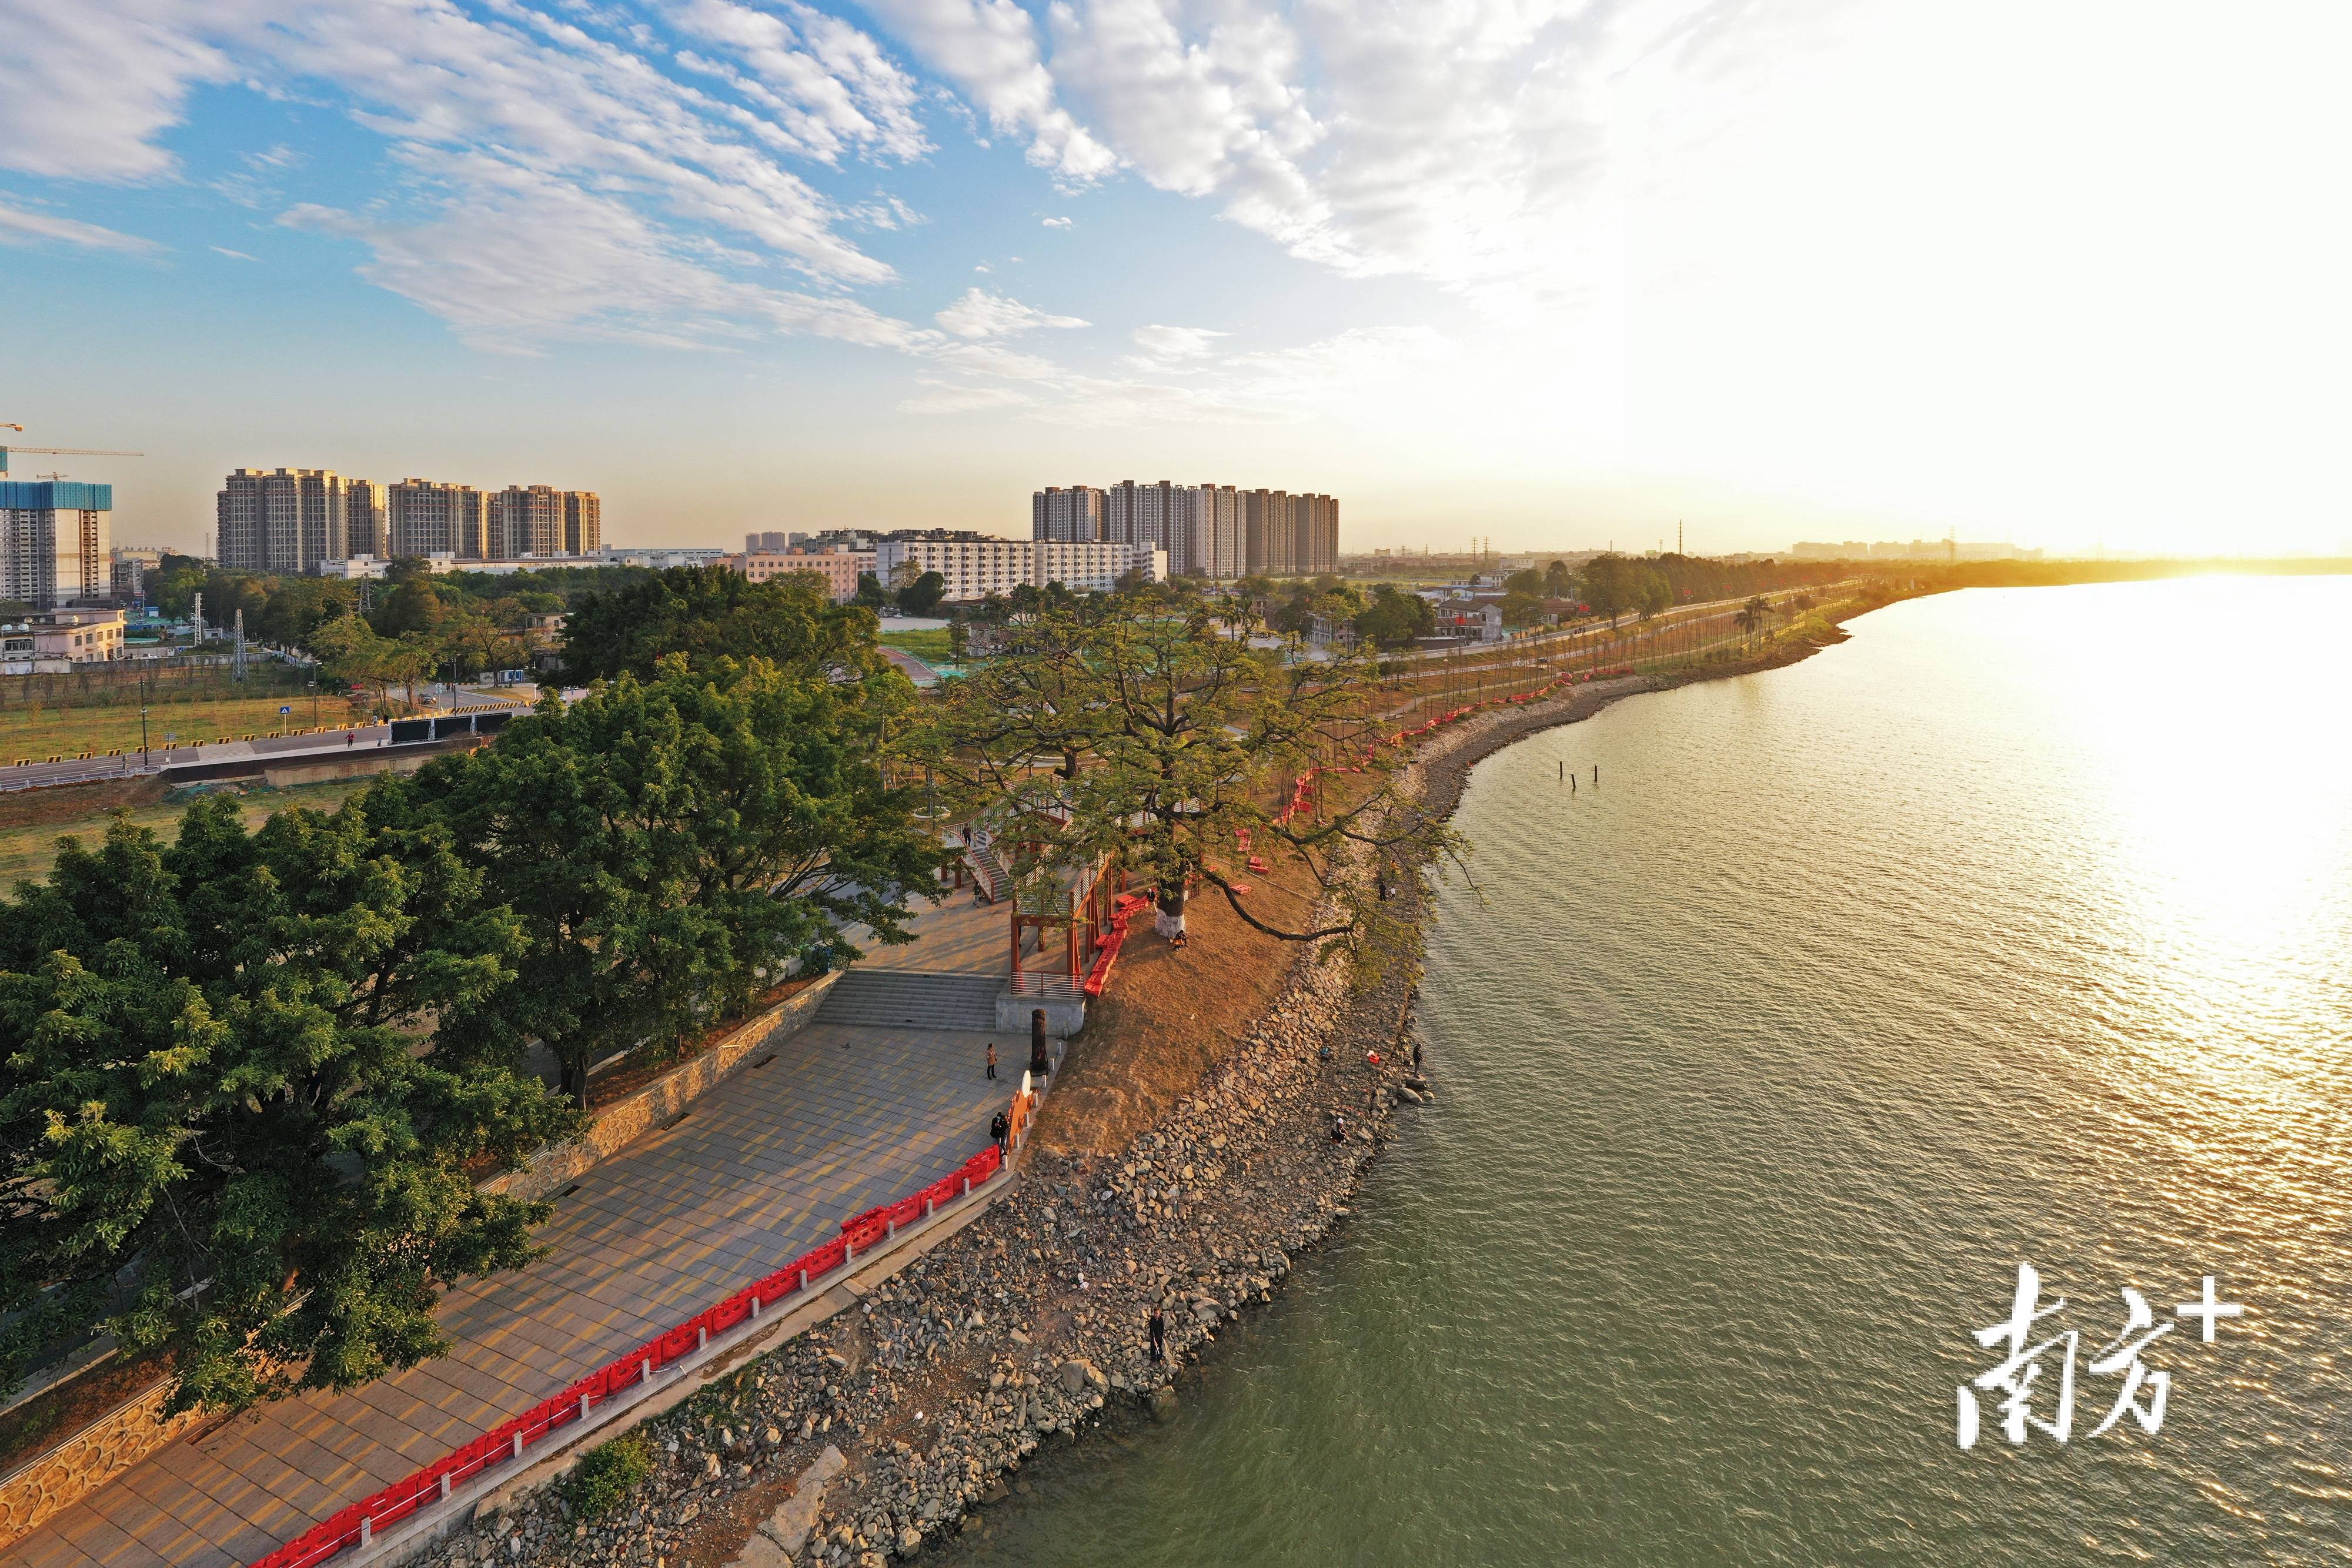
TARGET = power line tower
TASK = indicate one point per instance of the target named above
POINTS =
(196, 620)
(239, 666)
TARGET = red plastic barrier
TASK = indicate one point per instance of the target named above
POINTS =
(341, 1530)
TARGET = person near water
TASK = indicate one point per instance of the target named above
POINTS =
(1416, 1056)
(1339, 1128)
(1158, 1323)
(999, 1129)
(992, 1059)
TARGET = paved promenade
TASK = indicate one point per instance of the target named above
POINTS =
(757, 1171)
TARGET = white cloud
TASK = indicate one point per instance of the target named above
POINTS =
(671, 170)
(617, 274)
(982, 314)
(945, 398)
(1058, 223)
(18, 226)
(988, 48)
(1164, 343)
(235, 255)
(827, 85)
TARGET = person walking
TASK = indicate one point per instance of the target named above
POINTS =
(1159, 1324)
(992, 1059)
(999, 1129)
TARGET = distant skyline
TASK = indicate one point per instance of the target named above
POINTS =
(2061, 273)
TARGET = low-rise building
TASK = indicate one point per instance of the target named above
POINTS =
(75, 636)
(840, 568)
(976, 568)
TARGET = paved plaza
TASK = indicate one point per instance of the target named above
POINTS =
(957, 936)
(755, 1171)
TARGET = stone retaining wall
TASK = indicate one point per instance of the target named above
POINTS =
(88, 1459)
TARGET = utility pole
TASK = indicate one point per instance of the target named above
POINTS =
(142, 721)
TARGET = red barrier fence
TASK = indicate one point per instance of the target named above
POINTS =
(356, 1525)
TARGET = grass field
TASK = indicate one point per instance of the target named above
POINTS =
(37, 734)
(930, 646)
(30, 851)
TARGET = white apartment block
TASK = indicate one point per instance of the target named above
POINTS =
(974, 569)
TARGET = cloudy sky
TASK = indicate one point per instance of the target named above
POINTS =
(2060, 271)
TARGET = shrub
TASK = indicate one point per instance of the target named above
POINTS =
(606, 1475)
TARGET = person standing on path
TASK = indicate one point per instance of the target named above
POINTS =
(1159, 1333)
(992, 1059)
(998, 1129)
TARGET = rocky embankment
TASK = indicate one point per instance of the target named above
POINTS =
(886, 1428)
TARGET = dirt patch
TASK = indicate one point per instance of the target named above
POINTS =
(1172, 1013)
(55, 1414)
(72, 803)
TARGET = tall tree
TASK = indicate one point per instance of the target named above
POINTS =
(224, 1133)
(1172, 740)
(671, 844)
(709, 613)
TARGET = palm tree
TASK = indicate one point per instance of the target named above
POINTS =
(1755, 615)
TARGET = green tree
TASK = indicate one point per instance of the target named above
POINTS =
(1755, 615)
(1173, 740)
(670, 844)
(922, 595)
(413, 608)
(221, 1086)
(707, 613)
(1395, 620)
(1558, 582)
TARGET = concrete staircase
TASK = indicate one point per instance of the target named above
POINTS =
(988, 874)
(909, 998)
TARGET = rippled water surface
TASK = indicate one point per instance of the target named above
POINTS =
(2018, 927)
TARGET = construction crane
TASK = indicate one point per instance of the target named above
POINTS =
(55, 451)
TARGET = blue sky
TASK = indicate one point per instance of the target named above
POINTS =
(1548, 272)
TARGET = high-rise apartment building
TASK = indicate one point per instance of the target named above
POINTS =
(1207, 530)
(529, 522)
(584, 522)
(1074, 514)
(430, 518)
(1216, 551)
(365, 528)
(770, 542)
(55, 541)
(281, 519)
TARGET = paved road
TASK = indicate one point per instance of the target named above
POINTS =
(758, 1171)
(286, 747)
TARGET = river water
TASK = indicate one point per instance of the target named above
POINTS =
(2018, 928)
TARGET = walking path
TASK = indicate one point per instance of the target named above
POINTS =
(755, 1171)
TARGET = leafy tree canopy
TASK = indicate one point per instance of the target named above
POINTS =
(223, 1133)
(1170, 741)
(707, 613)
(670, 844)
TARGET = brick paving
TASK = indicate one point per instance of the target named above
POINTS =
(756, 1172)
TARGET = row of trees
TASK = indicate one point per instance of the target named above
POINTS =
(251, 1077)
